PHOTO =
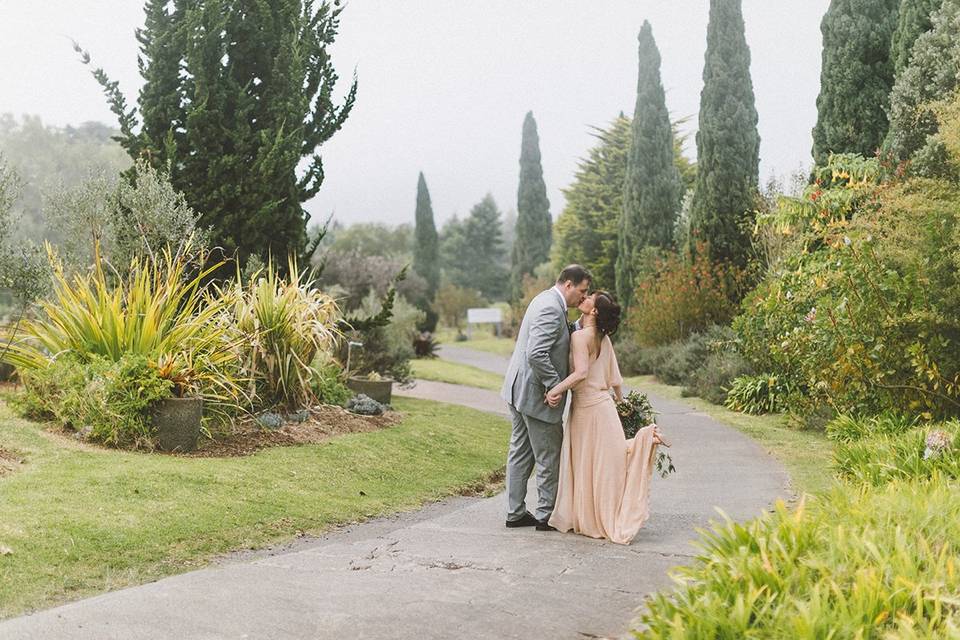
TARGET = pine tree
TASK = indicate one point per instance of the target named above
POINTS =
(587, 229)
(473, 251)
(236, 95)
(728, 145)
(652, 186)
(855, 77)
(426, 251)
(913, 19)
(531, 245)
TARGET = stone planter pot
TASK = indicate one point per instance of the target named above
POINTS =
(379, 390)
(177, 421)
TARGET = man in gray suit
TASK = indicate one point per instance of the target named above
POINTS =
(540, 361)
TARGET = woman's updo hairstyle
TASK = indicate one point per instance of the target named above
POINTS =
(608, 313)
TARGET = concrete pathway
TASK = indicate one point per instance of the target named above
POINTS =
(448, 570)
(479, 359)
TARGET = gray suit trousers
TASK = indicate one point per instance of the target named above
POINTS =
(533, 442)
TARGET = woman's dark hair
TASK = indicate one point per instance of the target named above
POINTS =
(608, 313)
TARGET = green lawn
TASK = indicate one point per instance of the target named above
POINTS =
(454, 373)
(81, 520)
(807, 455)
(481, 341)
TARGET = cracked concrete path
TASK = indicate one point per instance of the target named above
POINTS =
(448, 570)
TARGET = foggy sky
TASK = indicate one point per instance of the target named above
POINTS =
(444, 86)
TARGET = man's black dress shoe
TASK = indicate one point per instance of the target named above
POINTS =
(526, 521)
(544, 525)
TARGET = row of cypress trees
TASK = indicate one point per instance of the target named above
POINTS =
(867, 45)
(724, 191)
(533, 233)
(728, 154)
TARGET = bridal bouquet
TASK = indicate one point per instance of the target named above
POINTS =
(636, 413)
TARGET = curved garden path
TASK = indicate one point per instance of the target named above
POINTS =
(450, 569)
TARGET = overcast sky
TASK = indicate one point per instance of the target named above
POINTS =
(444, 85)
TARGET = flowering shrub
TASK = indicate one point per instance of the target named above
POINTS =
(864, 316)
(684, 294)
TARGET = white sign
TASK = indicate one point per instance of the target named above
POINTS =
(492, 315)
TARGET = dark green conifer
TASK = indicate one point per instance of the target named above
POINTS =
(652, 187)
(236, 95)
(426, 251)
(531, 246)
(728, 145)
(913, 19)
(855, 77)
(473, 255)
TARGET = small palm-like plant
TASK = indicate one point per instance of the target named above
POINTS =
(287, 324)
(159, 311)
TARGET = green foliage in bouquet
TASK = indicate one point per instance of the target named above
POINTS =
(636, 412)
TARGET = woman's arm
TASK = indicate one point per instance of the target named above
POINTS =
(581, 364)
(618, 392)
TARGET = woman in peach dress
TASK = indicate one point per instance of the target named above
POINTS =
(604, 478)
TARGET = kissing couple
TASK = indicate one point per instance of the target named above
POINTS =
(592, 481)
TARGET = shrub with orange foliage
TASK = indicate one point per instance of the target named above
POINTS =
(685, 293)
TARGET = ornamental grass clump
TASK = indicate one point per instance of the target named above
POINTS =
(857, 562)
(158, 312)
(287, 325)
(758, 394)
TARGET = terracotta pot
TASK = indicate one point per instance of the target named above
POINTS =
(379, 390)
(177, 421)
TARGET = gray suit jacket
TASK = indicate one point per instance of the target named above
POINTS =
(540, 360)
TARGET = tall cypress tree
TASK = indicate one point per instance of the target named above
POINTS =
(237, 93)
(426, 250)
(913, 20)
(855, 77)
(728, 145)
(652, 187)
(531, 245)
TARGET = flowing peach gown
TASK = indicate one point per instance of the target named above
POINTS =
(605, 479)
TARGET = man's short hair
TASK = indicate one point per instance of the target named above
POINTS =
(575, 273)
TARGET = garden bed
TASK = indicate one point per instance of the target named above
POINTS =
(247, 436)
(325, 422)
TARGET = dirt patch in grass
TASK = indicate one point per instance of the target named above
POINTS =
(487, 486)
(9, 462)
(325, 422)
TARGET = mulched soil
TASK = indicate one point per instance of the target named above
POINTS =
(325, 422)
